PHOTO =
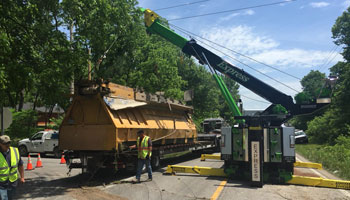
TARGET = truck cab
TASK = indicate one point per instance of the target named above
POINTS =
(42, 142)
(212, 125)
(211, 131)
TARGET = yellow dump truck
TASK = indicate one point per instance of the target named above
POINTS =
(102, 121)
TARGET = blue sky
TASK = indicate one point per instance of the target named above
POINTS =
(294, 37)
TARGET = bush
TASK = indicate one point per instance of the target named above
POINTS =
(335, 158)
(23, 125)
(327, 128)
(57, 122)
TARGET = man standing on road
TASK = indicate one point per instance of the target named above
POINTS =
(10, 162)
(144, 148)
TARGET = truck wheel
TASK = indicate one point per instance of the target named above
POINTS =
(23, 150)
(155, 162)
(57, 152)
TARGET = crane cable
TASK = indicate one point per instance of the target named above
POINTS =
(233, 10)
(189, 33)
(243, 63)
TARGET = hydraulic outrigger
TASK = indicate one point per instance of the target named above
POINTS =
(257, 148)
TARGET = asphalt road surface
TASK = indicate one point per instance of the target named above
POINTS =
(52, 182)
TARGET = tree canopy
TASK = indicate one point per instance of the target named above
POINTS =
(336, 120)
(45, 46)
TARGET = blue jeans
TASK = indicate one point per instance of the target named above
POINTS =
(140, 163)
(7, 194)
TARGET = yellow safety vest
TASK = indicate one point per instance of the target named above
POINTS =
(9, 172)
(144, 149)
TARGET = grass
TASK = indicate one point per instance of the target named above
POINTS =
(335, 159)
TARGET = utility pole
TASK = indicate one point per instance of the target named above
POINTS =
(71, 42)
(89, 66)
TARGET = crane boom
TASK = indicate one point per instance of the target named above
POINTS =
(205, 56)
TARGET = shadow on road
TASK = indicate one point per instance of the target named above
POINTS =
(40, 187)
(44, 187)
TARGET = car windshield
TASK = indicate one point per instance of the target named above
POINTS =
(299, 133)
(38, 136)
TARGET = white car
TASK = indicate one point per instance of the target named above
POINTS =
(42, 142)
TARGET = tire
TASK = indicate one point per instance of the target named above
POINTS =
(57, 152)
(23, 151)
(155, 162)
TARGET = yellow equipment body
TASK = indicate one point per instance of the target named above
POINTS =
(104, 117)
(308, 165)
(210, 156)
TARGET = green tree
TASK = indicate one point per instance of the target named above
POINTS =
(341, 33)
(335, 122)
(35, 53)
(314, 86)
(23, 125)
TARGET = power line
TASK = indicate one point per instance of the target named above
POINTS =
(233, 10)
(245, 64)
(328, 60)
(238, 53)
(335, 55)
(180, 5)
(255, 99)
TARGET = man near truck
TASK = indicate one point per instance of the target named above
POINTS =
(10, 162)
(144, 149)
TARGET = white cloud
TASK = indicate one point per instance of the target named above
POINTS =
(245, 40)
(346, 4)
(228, 17)
(297, 58)
(319, 4)
(249, 12)
(242, 39)
(239, 38)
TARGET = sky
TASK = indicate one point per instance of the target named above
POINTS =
(294, 37)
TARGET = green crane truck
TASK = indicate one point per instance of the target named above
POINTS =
(257, 148)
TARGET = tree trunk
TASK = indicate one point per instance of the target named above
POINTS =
(21, 101)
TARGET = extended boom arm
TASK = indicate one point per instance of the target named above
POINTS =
(203, 55)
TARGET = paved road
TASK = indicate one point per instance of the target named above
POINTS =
(184, 186)
(52, 182)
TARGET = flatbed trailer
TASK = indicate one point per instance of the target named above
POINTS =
(102, 121)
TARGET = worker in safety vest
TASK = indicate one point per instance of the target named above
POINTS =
(10, 162)
(144, 148)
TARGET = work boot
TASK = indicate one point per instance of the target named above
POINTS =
(136, 181)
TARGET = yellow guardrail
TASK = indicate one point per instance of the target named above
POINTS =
(320, 182)
(205, 171)
(210, 156)
(308, 165)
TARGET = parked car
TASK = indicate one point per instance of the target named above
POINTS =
(301, 137)
(42, 142)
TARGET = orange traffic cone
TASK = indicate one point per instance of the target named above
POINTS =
(38, 162)
(29, 165)
(63, 161)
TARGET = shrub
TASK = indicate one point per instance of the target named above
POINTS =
(23, 125)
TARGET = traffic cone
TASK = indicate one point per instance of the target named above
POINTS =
(38, 162)
(29, 165)
(63, 161)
